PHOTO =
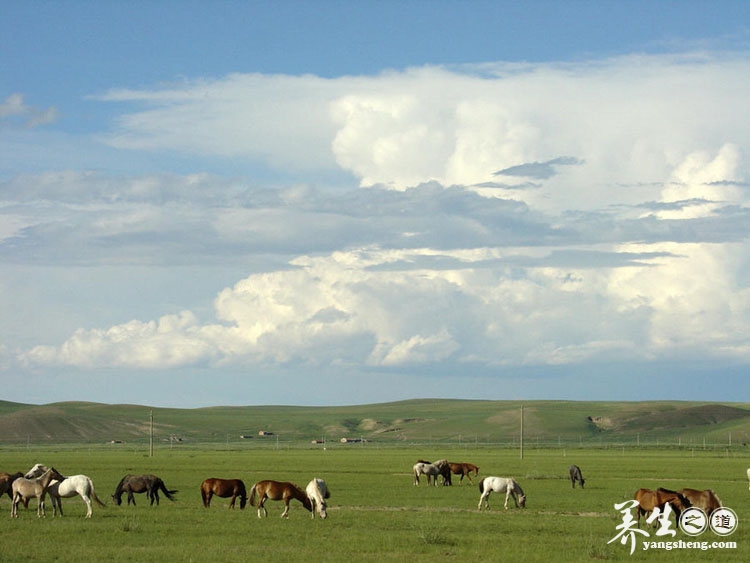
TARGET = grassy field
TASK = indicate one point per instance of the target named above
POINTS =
(376, 513)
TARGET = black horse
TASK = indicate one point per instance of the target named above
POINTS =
(575, 475)
(150, 484)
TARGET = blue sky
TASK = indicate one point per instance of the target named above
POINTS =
(351, 202)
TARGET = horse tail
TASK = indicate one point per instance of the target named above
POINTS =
(251, 496)
(167, 493)
(481, 486)
(93, 494)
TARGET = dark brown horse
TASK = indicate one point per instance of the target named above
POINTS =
(707, 500)
(648, 500)
(150, 484)
(224, 488)
(464, 470)
(575, 475)
(277, 490)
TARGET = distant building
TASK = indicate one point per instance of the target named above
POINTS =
(265, 433)
(246, 436)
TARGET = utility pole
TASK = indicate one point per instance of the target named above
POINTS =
(521, 431)
(151, 436)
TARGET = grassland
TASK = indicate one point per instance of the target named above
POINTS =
(376, 513)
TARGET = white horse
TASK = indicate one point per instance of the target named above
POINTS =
(432, 470)
(505, 485)
(68, 487)
(318, 492)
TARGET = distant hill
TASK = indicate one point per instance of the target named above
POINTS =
(434, 420)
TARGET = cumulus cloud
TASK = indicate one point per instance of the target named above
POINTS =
(502, 215)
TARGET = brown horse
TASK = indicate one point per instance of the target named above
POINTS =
(707, 500)
(224, 488)
(464, 470)
(277, 490)
(24, 488)
(150, 484)
(6, 481)
(648, 500)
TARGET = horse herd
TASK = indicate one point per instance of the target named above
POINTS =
(41, 481)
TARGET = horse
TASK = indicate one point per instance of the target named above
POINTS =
(432, 470)
(317, 491)
(464, 470)
(224, 488)
(6, 482)
(506, 485)
(150, 484)
(24, 488)
(748, 476)
(706, 500)
(277, 490)
(575, 475)
(648, 500)
(81, 485)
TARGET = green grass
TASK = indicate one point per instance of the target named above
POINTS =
(376, 514)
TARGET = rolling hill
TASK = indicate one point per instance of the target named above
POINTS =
(412, 421)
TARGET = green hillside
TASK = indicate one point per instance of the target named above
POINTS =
(404, 422)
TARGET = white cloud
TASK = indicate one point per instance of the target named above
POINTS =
(14, 108)
(443, 261)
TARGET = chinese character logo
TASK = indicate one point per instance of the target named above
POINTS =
(693, 521)
(723, 521)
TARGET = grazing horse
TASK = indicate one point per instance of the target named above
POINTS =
(317, 491)
(432, 470)
(648, 500)
(24, 488)
(575, 475)
(707, 500)
(68, 487)
(277, 490)
(150, 484)
(506, 485)
(224, 488)
(464, 470)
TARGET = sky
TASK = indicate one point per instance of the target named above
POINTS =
(335, 203)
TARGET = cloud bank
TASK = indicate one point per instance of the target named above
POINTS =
(501, 215)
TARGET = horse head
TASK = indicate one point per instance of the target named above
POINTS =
(36, 471)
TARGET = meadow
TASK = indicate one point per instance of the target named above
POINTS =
(376, 513)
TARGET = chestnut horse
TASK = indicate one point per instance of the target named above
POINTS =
(648, 500)
(150, 484)
(277, 490)
(224, 488)
(464, 470)
(706, 500)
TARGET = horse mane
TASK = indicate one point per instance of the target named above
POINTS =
(118, 489)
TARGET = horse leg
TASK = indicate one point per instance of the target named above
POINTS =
(485, 498)
(509, 494)
(285, 514)
(231, 502)
(262, 506)
(89, 510)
